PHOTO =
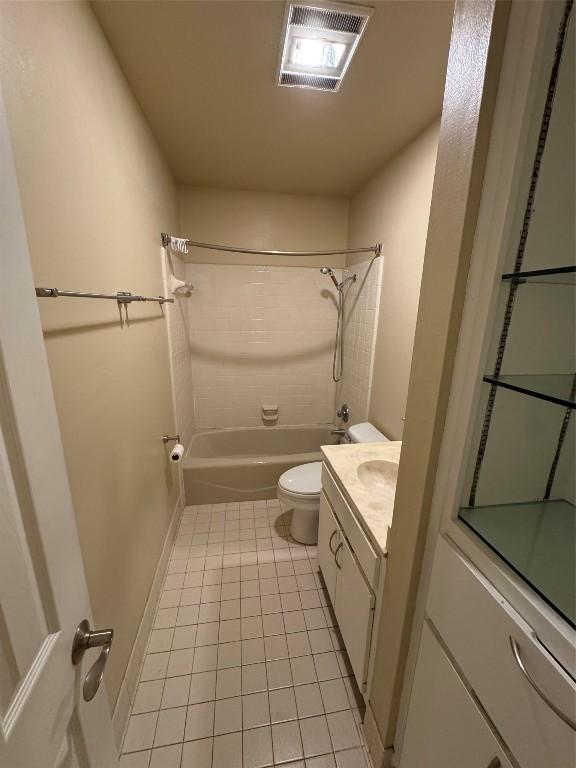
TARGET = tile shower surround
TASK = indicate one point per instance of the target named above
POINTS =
(362, 304)
(245, 666)
(261, 335)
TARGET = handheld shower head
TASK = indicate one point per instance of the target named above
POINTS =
(328, 271)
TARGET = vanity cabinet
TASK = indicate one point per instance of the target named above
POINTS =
(445, 726)
(350, 568)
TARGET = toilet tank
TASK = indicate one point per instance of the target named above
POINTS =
(365, 433)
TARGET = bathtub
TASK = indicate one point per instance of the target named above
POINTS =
(245, 464)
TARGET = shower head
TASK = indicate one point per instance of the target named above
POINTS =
(328, 271)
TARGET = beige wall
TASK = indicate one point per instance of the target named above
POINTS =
(393, 209)
(96, 196)
(265, 221)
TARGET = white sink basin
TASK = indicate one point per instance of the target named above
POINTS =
(379, 479)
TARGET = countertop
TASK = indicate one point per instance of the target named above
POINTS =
(374, 515)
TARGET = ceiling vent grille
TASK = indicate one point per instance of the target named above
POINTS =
(318, 18)
(309, 81)
(318, 43)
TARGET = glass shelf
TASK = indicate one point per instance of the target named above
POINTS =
(537, 540)
(554, 387)
(552, 276)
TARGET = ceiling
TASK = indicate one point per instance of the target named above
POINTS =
(204, 73)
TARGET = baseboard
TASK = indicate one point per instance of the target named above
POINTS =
(129, 684)
(378, 755)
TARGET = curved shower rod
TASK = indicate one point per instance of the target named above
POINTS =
(181, 245)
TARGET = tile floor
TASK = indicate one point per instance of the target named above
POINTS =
(244, 667)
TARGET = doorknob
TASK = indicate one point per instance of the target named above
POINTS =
(84, 639)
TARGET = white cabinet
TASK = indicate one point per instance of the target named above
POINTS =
(351, 595)
(328, 539)
(445, 726)
(354, 608)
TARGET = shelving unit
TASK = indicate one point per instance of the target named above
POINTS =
(552, 276)
(524, 535)
(555, 388)
(526, 461)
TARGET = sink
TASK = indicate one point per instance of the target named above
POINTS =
(379, 478)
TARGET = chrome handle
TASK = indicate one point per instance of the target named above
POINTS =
(84, 639)
(520, 661)
(338, 548)
(334, 532)
(338, 432)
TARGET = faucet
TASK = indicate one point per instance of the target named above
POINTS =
(343, 413)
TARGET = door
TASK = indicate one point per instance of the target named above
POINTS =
(44, 722)
(329, 537)
(354, 608)
(445, 727)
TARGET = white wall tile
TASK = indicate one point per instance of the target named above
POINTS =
(261, 335)
(361, 315)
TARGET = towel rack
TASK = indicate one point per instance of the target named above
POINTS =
(122, 297)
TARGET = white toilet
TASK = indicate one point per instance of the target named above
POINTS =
(299, 487)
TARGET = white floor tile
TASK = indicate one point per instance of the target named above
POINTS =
(255, 710)
(170, 726)
(197, 754)
(200, 721)
(257, 748)
(166, 757)
(309, 700)
(334, 695)
(140, 732)
(202, 687)
(343, 730)
(135, 760)
(282, 705)
(352, 758)
(176, 690)
(228, 683)
(254, 678)
(228, 716)
(227, 752)
(148, 697)
(315, 736)
(279, 674)
(286, 742)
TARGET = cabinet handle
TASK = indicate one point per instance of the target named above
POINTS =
(334, 532)
(520, 661)
(338, 548)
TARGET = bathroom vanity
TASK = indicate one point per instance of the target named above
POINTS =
(356, 504)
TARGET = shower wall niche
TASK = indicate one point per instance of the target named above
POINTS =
(520, 487)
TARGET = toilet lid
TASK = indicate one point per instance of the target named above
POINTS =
(304, 480)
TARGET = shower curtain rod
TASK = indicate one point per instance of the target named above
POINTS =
(181, 245)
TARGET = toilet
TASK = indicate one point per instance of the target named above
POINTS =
(299, 487)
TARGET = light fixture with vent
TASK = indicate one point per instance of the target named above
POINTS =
(318, 43)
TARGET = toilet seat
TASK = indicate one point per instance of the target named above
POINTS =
(304, 480)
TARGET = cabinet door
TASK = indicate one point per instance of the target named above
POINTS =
(354, 608)
(445, 727)
(329, 536)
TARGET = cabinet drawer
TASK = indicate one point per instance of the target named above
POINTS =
(366, 555)
(477, 625)
(445, 728)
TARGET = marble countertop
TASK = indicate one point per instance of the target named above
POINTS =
(373, 507)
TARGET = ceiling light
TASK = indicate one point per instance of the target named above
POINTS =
(318, 43)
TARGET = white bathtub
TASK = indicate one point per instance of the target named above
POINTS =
(245, 464)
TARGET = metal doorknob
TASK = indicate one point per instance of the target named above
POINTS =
(84, 639)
